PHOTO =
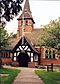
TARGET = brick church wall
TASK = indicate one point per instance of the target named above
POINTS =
(49, 61)
(45, 61)
(6, 60)
(27, 27)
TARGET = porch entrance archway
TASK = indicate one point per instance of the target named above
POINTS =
(25, 54)
(23, 59)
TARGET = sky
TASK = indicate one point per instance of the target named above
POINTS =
(42, 11)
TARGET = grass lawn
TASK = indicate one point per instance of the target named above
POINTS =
(49, 77)
(8, 79)
(57, 68)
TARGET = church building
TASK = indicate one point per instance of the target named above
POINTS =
(24, 50)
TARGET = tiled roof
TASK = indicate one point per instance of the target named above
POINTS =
(35, 35)
(31, 36)
(14, 43)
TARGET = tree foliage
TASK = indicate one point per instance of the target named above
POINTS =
(9, 8)
(53, 30)
(4, 37)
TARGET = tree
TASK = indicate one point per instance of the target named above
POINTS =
(4, 37)
(53, 30)
(58, 47)
(46, 41)
(9, 9)
(4, 41)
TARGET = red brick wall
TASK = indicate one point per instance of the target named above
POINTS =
(45, 61)
(49, 61)
(28, 28)
(6, 60)
(32, 64)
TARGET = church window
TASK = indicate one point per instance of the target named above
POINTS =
(50, 54)
(46, 53)
(53, 54)
(26, 22)
(7, 56)
(21, 23)
(4, 55)
(35, 57)
(10, 55)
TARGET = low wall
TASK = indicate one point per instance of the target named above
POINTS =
(49, 61)
(6, 60)
(32, 64)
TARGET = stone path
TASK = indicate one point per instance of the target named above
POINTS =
(27, 76)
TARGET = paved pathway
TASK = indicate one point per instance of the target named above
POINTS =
(27, 76)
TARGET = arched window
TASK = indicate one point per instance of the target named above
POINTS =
(54, 54)
(35, 57)
(49, 51)
(46, 54)
(26, 22)
(50, 54)
(6, 55)
(46, 51)
(21, 23)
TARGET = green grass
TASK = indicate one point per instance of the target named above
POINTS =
(49, 77)
(57, 68)
(8, 79)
